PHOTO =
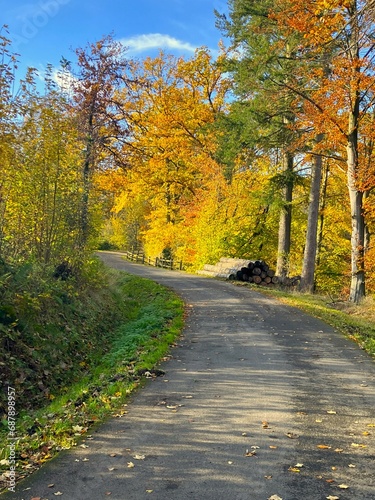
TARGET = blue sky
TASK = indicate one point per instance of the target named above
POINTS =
(45, 30)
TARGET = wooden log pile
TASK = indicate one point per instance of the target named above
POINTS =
(250, 271)
(257, 272)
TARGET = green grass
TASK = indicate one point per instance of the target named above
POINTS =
(357, 322)
(152, 319)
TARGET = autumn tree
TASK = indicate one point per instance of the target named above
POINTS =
(261, 62)
(8, 62)
(339, 106)
(170, 150)
(102, 125)
(39, 220)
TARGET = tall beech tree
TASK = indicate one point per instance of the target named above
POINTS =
(102, 124)
(262, 61)
(169, 107)
(339, 106)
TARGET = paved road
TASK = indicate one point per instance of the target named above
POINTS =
(254, 390)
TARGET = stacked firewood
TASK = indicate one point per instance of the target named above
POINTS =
(257, 272)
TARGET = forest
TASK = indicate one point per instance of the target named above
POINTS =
(261, 150)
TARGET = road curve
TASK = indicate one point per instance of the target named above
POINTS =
(259, 401)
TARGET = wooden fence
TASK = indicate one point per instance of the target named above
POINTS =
(157, 262)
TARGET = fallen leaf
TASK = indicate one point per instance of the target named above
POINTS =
(111, 469)
(244, 434)
(265, 425)
(250, 453)
(51, 485)
(130, 465)
(332, 412)
(77, 428)
(139, 457)
(267, 477)
(230, 463)
(273, 447)
(334, 468)
(108, 493)
(339, 450)
(343, 486)
(85, 459)
(323, 447)
(294, 469)
(299, 465)
(58, 494)
(352, 466)
(275, 497)
(149, 491)
(318, 421)
(370, 425)
(358, 445)
(292, 435)
(332, 498)
(113, 454)
(366, 433)
(36, 498)
(330, 481)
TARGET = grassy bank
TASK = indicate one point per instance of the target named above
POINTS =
(357, 322)
(77, 360)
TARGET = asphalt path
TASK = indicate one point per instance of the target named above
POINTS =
(258, 401)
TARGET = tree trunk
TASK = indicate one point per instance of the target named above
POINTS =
(283, 251)
(323, 199)
(357, 283)
(309, 259)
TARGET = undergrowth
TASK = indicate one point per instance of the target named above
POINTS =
(74, 360)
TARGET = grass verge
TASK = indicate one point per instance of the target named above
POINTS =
(152, 320)
(356, 322)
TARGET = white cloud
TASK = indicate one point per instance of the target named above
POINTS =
(140, 43)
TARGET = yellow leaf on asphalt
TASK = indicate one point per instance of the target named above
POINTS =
(294, 469)
(130, 465)
(323, 446)
(343, 486)
(332, 412)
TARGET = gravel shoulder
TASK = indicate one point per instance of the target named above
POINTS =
(258, 399)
